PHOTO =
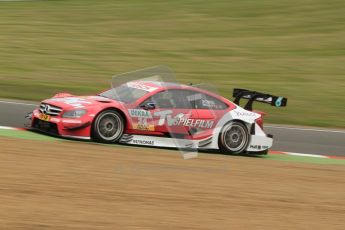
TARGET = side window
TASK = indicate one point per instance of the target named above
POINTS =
(173, 98)
(209, 102)
(162, 100)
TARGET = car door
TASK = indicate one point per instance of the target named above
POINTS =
(172, 114)
(209, 110)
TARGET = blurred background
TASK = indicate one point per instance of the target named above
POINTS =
(288, 48)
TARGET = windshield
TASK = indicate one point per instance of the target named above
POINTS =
(124, 94)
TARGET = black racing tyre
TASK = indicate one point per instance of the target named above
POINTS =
(108, 127)
(234, 138)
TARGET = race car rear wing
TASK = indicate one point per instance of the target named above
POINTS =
(257, 96)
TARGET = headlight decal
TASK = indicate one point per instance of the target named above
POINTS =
(75, 113)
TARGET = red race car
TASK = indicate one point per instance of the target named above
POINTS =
(155, 113)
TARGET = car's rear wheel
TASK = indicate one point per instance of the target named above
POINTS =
(108, 127)
(234, 138)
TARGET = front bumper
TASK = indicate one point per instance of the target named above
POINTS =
(64, 127)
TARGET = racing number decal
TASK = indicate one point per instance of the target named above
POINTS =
(142, 124)
(44, 117)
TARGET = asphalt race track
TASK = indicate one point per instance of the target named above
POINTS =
(287, 139)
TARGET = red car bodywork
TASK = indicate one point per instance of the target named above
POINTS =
(82, 127)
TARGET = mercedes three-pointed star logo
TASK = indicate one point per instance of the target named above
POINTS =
(46, 109)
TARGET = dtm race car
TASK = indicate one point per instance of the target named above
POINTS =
(152, 112)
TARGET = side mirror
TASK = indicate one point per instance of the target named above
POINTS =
(148, 106)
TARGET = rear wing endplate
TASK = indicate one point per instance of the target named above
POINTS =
(252, 96)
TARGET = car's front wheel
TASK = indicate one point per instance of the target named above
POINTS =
(108, 127)
(234, 138)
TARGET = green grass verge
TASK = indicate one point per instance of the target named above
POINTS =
(25, 135)
(285, 47)
(301, 159)
(28, 135)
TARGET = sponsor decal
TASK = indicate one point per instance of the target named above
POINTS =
(143, 142)
(73, 101)
(196, 123)
(194, 97)
(268, 100)
(208, 103)
(255, 147)
(278, 102)
(163, 116)
(144, 127)
(245, 114)
(258, 147)
(139, 113)
(71, 121)
(182, 120)
(142, 86)
(142, 116)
